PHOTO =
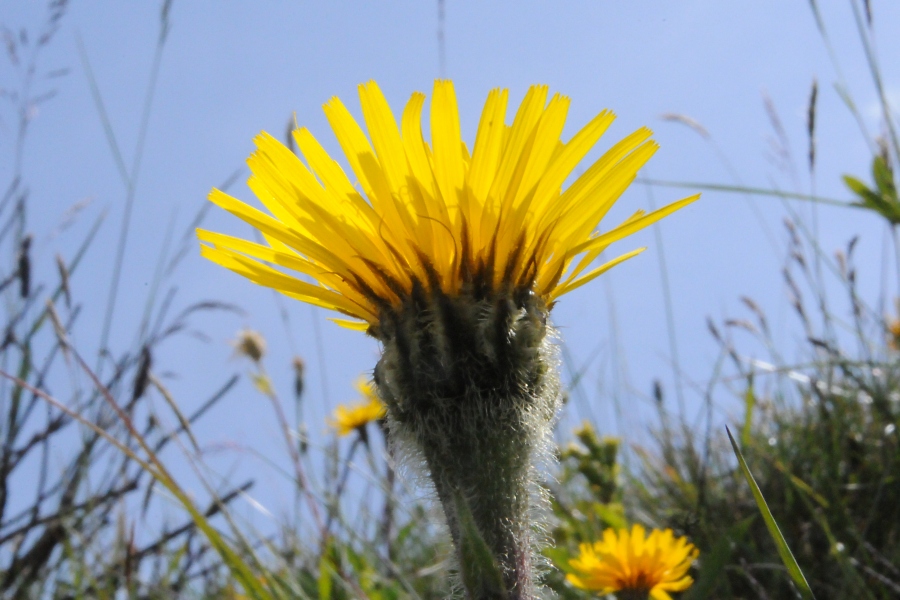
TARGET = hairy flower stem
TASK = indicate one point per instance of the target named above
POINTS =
(471, 388)
(486, 471)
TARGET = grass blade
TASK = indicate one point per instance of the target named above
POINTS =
(787, 557)
(741, 189)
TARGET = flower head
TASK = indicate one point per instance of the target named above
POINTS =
(429, 219)
(452, 257)
(634, 565)
(251, 344)
(348, 419)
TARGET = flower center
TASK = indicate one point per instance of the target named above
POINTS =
(633, 593)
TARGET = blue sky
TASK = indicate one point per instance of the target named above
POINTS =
(230, 69)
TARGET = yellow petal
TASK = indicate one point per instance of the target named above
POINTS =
(449, 170)
(352, 325)
(565, 289)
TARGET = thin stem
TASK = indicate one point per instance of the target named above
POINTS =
(295, 455)
(387, 514)
(342, 482)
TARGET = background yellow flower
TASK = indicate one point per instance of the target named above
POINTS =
(349, 418)
(634, 565)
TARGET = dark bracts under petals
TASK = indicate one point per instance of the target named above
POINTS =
(438, 347)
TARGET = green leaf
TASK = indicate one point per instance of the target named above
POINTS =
(868, 198)
(883, 199)
(479, 569)
(856, 186)
(787, 557)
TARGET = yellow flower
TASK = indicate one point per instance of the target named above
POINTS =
(425, 219)
(350, 418)
(633, 565)
(893, 328)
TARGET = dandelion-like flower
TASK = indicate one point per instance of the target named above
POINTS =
(348, 419)
(635, 566)
(452, 258)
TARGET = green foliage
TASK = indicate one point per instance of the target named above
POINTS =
(881, 199)
(830, 475)
(787, 557)
(716, 560)
(587, 500)
(822, 439)
(596, 462)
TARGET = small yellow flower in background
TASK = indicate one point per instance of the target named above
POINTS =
(893, 328)
(635, 566)
(365, 387)
(348, 419)
(251, 344)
